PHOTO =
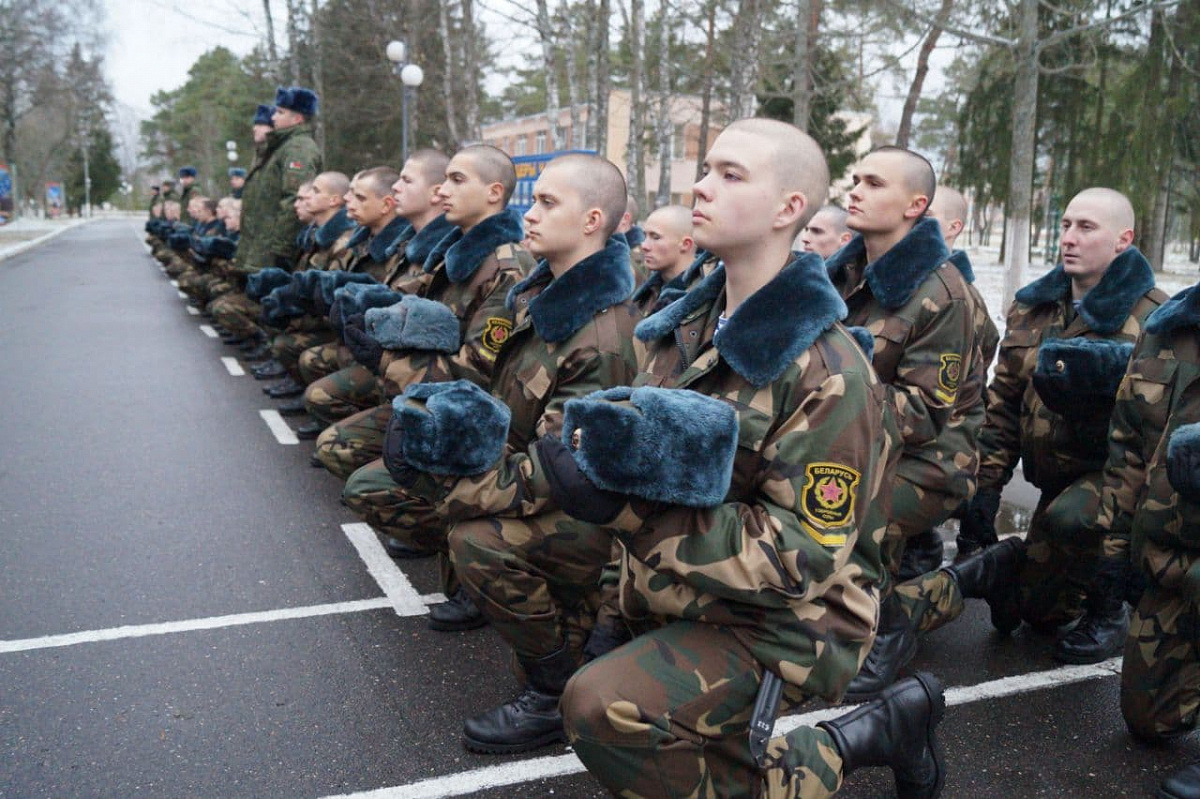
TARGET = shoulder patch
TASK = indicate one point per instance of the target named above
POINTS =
(496, 331)
(827, 500)
(949, 375)
(295, 165)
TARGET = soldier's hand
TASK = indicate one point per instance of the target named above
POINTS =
(978, 527)
(603, 640)
(571, 489)
(282, 262)
(365, 349)
(1183, 461)
(398, 467)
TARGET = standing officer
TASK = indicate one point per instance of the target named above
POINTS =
(187, 179)
(237, 181)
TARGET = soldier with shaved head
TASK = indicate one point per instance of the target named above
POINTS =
(760, 589)
(898, 282)
(1068, 339)
(826, 233)
(667, 251)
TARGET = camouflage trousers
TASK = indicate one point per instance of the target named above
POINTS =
(322, 360)
(1160, 678)
(237, 313)
(668, 715)
(174, 264)
(287, 348)
(355, 441)
(345, 392)
(536, 579)
(915, 509)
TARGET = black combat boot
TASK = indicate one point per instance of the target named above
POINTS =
(402, 551)
(283, 389)
(269, 370)
(895, 645)
(922, 554)
(1183, 784)
(260, 353)
(310, 430)
(992, 575)
(1100, 634)
(456, 614)
(293, 407)
(530, 720)
(897, 730)
(253, 342)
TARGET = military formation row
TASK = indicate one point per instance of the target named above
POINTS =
(677, 467)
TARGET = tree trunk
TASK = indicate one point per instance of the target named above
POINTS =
(550, 65)
(707, 89)
(801, 58)
(1020, 179)
(635, 152)
(294, 9)
(603, 79)
(318, 75)
(272, 53)
(470, 66)
(573, 76)
(448, 73)
(744, 71)
(666, 128)
(918, 81)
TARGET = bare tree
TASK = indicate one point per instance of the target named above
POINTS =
(808, 14)
(665, 126)
(574, 78)
(918, 81)
(550, 65)
(635, 152)
(449, 74)
(743, 72)
(706, 91)
(272, 52)
(470, 63)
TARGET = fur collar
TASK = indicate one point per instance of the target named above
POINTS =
(765, 334)
(960, 259)
(567, 303)
(693, 273)
(633, 237)
(900, 271)
(464, 254)
(1106, 307)
(328, 233)
(1181, 310)
(380, 248)
(651, 283)
(361, 233)
(417, 247)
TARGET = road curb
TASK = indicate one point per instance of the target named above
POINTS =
(26, 246)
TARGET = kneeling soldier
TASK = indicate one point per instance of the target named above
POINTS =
(775, 586)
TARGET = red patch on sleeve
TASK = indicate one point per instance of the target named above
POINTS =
(295, 165)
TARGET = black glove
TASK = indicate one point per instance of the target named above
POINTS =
(979, 522)
(401, 471)
(603, 640)
(336, 318)
(282, 262)
(1183, 462)
(365, 349)
(571, 489)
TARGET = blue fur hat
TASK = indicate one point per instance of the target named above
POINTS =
(237, 172)
(667, 445)
(452, 428)
(415, 323)
(264, 115)
(298, 99)
(1077, 376)
(264, 281)
(187, 171)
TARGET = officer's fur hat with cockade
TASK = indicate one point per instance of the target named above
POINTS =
(187, 171)
(237, 172)
(453, 428)
(415, 323)
(1183, 461)
(1078, 375)
(668, 445)
(296, 98)
(264, 115)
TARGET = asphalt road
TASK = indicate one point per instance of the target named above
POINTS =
(186, 609)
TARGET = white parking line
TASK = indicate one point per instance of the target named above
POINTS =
(175, 283)
(210, 623)
(279, 428)
(208, 331)
(193, 310)
(393, 582)
(182, 296)
(540, 768)
(233, 367)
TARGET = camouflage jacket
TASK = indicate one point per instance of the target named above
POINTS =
(573, 335)
(377, 254)
(1055, 451)
(289, 158)
(653, 294)
(791, 572)
(185, 197)
(328, 246)
(408, 275)
(919, 309)
(471, 274)
(1160, 393)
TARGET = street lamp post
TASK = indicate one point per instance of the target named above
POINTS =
(411, 77)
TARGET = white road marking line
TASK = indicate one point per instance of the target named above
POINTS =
(394, 583)
(208, 331)
(233, 367)
(210, 623)
(279, 428)
(193, 310)
(175, 283)
(182, 296)
(540, 768)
